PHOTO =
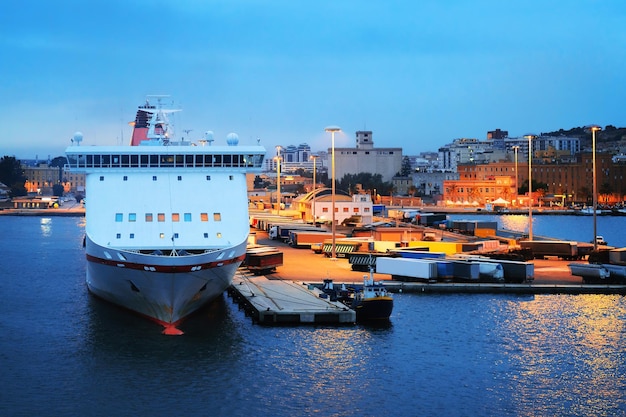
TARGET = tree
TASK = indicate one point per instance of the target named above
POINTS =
(12, 175)
(537, 187)
(583, 194)
(405, 171)
(57, 190)
(367, 180)
(59, 162)
(605, 191)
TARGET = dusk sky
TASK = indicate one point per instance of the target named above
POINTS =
(417, 73)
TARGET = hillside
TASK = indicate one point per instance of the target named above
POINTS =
(608, 133)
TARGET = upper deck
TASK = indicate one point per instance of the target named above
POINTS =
(97, 158)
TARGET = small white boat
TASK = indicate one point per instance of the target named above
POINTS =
(588, 211)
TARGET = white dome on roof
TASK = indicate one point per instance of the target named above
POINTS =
(232, 139)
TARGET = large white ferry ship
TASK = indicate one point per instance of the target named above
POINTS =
(166, 220)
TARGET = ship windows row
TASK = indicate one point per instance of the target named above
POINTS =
(180, 177)
(162, 235)
(160, 217)
(166, 161)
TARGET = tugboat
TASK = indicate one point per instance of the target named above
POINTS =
(373, 302)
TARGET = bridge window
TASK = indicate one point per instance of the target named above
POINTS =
(132, 217)
(187, 217)
(175, 217)
(217, 217)
(204, 217)
(119, 217)
(148, 217)
(161, 217)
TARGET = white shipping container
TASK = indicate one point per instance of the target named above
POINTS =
(405, 267)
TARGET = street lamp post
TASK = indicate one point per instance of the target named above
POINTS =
(594, 129)
(314, 158)
(278, 176)
(515, 149)
(530, 184)
(332, 130)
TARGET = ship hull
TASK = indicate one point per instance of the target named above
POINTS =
(163, 288)
(373, 309)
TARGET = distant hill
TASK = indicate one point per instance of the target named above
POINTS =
(608, 133)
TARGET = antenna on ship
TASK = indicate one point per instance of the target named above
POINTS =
(209, 136)
(77, 138)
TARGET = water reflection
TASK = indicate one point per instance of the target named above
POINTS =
(564, 355)
(45, 224)
(515, 222)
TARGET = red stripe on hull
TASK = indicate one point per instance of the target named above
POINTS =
(161, 268)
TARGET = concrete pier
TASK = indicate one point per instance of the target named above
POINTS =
(276, 301)
(502, 288)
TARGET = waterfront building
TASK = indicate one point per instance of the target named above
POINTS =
(364, 157)
(467, 150)
(430, 183)
(480, 192)
(294, 158)
(41, 178)
(346, 206)
(565, 182)
(403, 185)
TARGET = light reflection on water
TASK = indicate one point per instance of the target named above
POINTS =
(46, 226)
(566, 227)
(566, 355)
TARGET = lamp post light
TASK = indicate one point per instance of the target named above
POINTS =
(530, 137)
(332, 130)
(594, 129)
(278, 148)
(314, 158)
(515, 149)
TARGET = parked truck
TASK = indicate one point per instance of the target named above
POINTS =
(405, 269)
(560, 248)
(281, 231)
(305, 238)
(263, 259)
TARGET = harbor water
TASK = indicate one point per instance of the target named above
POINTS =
(65, 353)
(565, 227)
